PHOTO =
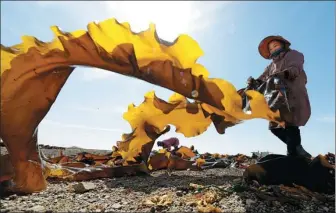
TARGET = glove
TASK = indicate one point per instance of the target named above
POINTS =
(241, 91)
(250, 80)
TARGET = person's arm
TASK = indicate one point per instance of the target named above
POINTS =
(168, 147)
(293, 65)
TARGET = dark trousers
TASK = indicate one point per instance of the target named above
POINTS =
(290, 136)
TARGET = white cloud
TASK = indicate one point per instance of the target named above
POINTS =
(327, 119)
(77, 126)
(171, 18)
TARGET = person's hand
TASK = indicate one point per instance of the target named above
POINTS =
(241, 91)
(250, 80)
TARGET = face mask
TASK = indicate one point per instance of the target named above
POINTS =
(276, 53)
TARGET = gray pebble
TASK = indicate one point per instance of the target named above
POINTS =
(37, 208)
(249, 202)
(116, 206)
(83, 187)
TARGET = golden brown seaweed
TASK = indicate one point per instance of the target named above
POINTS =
(34, 72)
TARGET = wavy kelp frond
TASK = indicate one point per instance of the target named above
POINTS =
(62, 172)
(33, 73)
(105, 38)
(188, 118)
(141, 55)
(185, 152)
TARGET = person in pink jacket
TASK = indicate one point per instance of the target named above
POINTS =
(287, 65)
(168, 143)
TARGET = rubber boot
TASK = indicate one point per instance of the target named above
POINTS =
(298, 151)
(302, 152)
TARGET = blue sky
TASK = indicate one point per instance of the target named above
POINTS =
(88, 111)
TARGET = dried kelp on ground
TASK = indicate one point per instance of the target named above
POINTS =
(204, 190)
(317, 175)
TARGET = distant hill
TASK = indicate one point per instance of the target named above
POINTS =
(74, 147)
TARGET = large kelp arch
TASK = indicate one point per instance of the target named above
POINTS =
(33, 73)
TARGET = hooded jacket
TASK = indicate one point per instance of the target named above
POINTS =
(288, 66)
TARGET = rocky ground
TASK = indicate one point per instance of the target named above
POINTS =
(66, 151)
(158, 192)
